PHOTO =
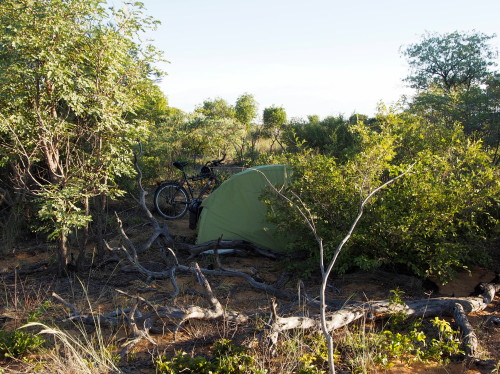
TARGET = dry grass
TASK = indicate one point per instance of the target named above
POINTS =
(80, 353)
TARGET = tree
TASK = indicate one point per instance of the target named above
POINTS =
(70, 75)
(206, 136)
(450, 61)
(475, 109)
(246, 109)
(274, 123)
(152, 105)
(456, 83)
(216, 109)
(330, 136)
(163, 144)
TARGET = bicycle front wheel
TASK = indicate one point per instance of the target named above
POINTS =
(171, 201)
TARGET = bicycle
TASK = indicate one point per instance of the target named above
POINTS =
(172, 200)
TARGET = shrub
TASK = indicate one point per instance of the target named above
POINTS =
(17, 343)
(432, 221)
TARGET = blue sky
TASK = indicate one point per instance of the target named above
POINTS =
(311, 57)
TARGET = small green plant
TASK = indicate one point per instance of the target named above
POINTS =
(446, 343)
(316, 360)
(396, 304)
(407, 347)
(404, 338)
(497, 368)
(310, 365)
(182, 362)
(17, 343)
(36, 314)
(227, 358)
(415, 345)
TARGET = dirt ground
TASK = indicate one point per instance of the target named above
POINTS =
(99, 285)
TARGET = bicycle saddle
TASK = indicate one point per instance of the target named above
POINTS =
(180, 164)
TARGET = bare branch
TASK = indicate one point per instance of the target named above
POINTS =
(326, 274)
(70, 306)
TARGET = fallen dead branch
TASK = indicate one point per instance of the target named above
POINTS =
(142, 314)
(141, 322)
(332, 320)
(469, 340)
(457, 308)
(196, 249)
(130, 251)
(442, 307)
(169, 273)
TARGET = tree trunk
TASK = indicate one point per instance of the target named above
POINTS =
(82, 242)
(101, 224)
(62, 255)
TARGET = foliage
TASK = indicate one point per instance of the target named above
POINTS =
(274, 119)
(428, 222)
(60, 208)
(414, 345)
(38, 312)
(228, 358)
(216, 109)
(331, 136)
(450, 61)
(245, 109)
(212, 136)
(456, 83)
(406, 339)
(316, 360)
(72, 74)
(214, 128)
(163, 145)
(17, 343)
(475, 109)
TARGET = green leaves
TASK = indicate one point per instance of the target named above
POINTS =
(245, 109)
(451, 60)
(60, 212)
(431, 222)
(457, 85)
(71, 75)
(15, 344)
(274, 117)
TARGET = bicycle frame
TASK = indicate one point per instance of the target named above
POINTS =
(206, 173)
(212, 178)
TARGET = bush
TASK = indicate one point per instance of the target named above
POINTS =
(331, 136)
(430, 222)
(17, 343)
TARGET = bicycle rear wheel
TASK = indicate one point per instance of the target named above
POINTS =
(171, 200)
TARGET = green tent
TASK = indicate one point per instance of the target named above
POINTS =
(235, 211)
